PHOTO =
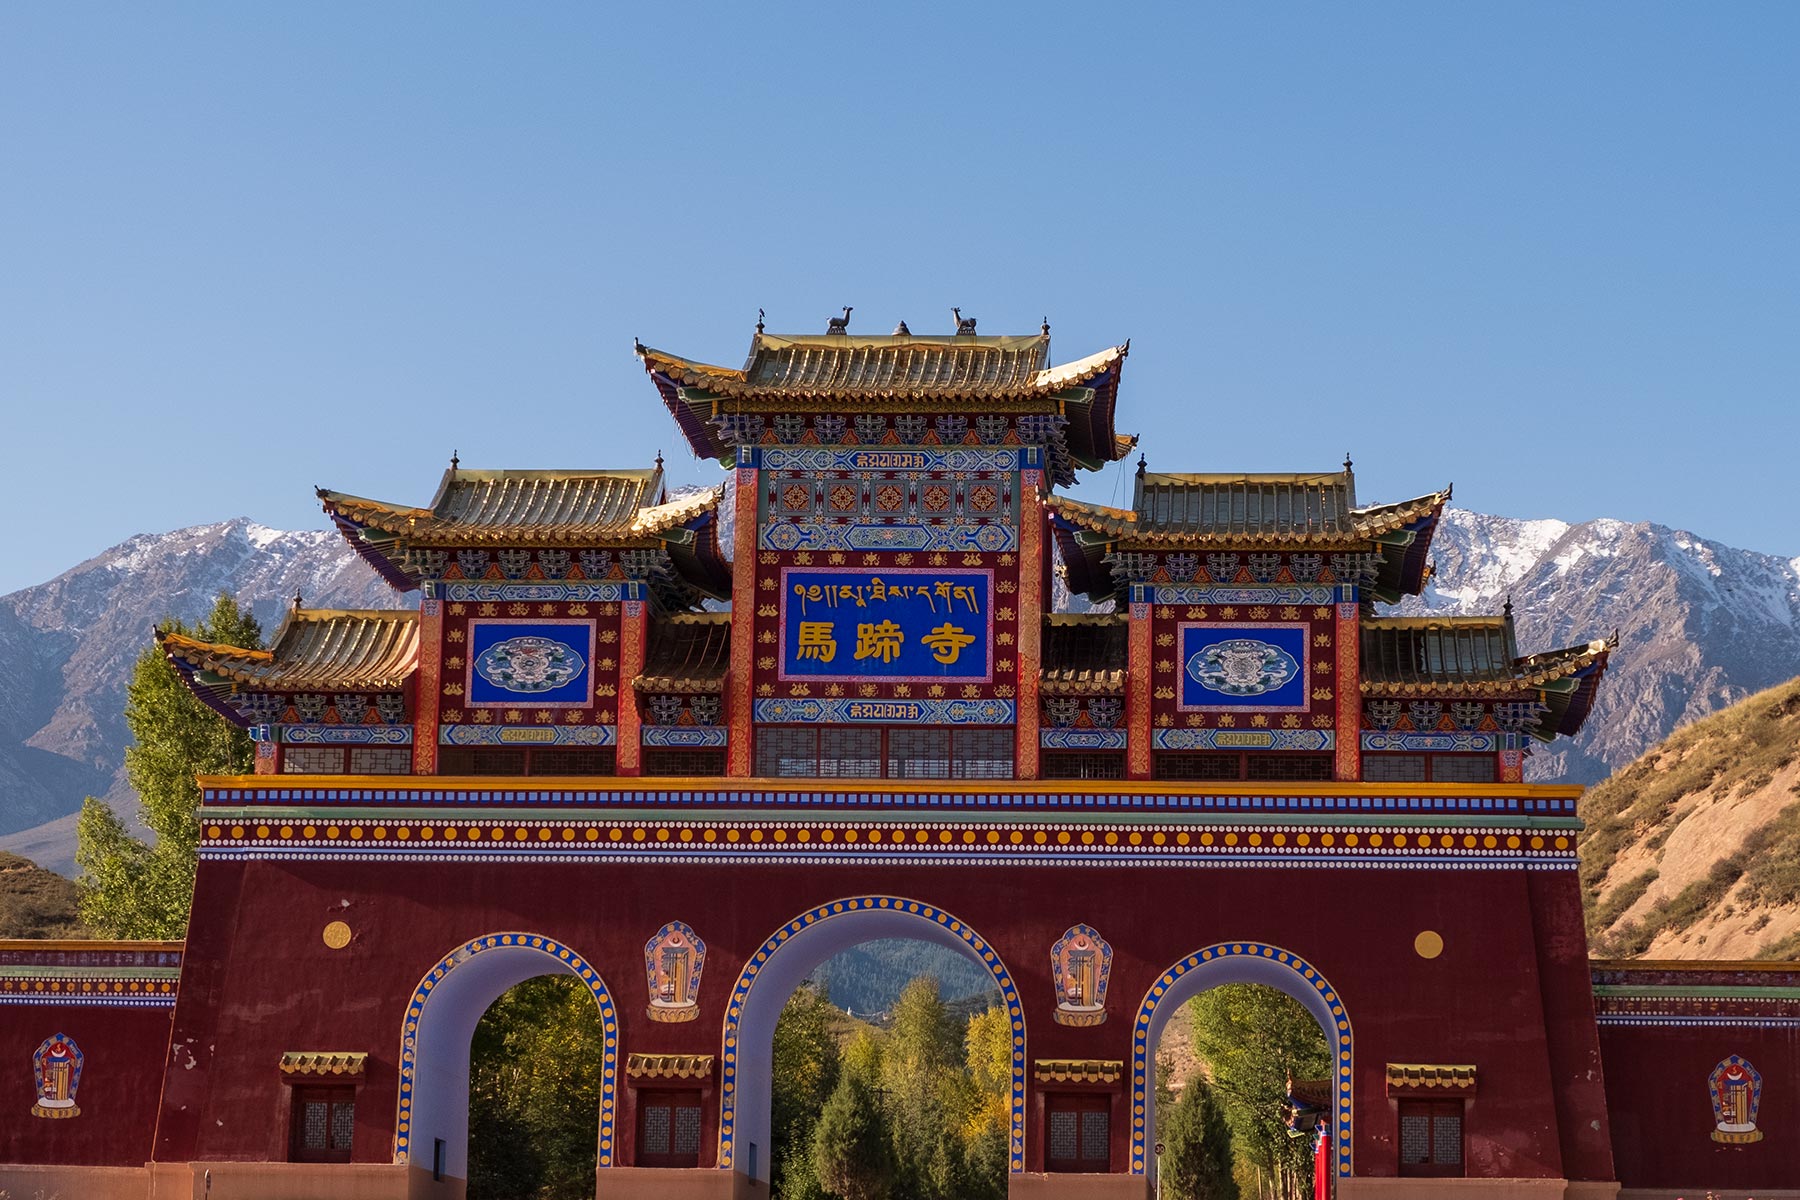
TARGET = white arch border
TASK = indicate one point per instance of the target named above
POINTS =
(1240, 962)
(566, 961)
(948, 929)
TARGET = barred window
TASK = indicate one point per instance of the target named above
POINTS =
(323, 1123)
(981, 754)
(661, 760)
(849, 753)
(598, 760)
(1393, 768)
(1078, 1132)
(668, 1129)
(1307, 767)
(312, 760)
(480, 760)
(918, 754)
(1431, 1137)
(787, 753)
(1462, 768)
(381, 760)
(1198, 767)
(1085, 764)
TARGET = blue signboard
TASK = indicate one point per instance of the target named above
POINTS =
(900, 624)
(544, 664)
(1233, 668)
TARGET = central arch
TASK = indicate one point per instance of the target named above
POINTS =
(782, 964)
(440, 1024)
(1238, 962)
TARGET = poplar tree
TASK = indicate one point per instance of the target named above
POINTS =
(1196, 1160)
(137, 888)
(852, 1153)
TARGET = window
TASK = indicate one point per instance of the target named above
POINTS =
(1431, 1137)
(1393, 768)
(1079, 1132)
(312, 760)
(866, 752)
(1086, 764)
(1306, 767)
(683, 763)
(381, 760)
(324, 1120)
(505, 760)
(1462, 768)
(1264, 767)
(1199, 767)
(668, 1129)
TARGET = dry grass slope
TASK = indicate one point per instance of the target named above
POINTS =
(35, 903)
(1693, 851)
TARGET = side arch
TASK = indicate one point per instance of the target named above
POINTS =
(783, 962)
(1239, 962)
(440, 1023)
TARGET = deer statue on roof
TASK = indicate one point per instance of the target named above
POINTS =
(840, 324)
(965, 326)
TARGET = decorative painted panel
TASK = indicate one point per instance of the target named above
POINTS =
(56, 1073)
(685, 736)
(1736, 1091)
(900, 624)
(1081, 967)
(673, 961)
(1232, 668)
(527, 735)
(876, 712)
(519, 661)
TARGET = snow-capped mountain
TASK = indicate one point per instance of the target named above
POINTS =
(1702, 625)
(67, 646)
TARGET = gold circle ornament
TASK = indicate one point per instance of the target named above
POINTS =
(337, 935)
(1429, 944)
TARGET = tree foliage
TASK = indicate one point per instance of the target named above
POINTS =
(852, 1153)
(534, 1093)
(1254, 1039)
(806, 1067)
(1196, 1162)
(137, 888)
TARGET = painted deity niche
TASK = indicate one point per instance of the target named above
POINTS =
(56, 1071)
(1081, 965)
(673, 960)
(1736, 1090)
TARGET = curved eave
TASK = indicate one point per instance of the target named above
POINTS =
(1406, 549)
(1565, 681)
(208, 687)
(1083, 556)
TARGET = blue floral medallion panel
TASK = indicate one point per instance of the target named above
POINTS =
(541, 663)
(1234, 668)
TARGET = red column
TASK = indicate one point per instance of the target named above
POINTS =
(1349, 692)
(1137, 687)
(427, 696)
(1031, 623)
(739, 685)
(634, 635)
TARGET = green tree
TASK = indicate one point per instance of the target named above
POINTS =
(534, 1093)
(1196, 1161)
(805, 1073)
(132, 888)
(1254, 1039)
(852, 1153)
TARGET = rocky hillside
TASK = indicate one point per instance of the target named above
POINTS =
(1701, 625)
(66, 647)
(1693, 851)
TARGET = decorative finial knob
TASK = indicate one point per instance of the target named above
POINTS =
(659, 460)
(455, 461)
(296, 599)
(759, 320)
(1347, 463)
(1046, 327)
(1142, 464)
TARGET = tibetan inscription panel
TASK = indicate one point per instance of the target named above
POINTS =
(896, 624)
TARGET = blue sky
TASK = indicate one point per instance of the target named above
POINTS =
(1546, 251)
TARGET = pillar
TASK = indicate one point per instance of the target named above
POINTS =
(1348, 637)
(1031, 610)
(634, 641)
(428, 698)
(1137, 685)
(740, 688)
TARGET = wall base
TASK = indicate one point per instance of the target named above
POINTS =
(288, 1181)
(1693, 1193)
(1060, 1186)
(1475, 1189)
(68, 1183)
(661, 1183)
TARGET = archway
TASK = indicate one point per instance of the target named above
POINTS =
(1238, 962)
(440, 1023)
(785, 960)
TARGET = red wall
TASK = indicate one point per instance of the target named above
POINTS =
(122, 1065)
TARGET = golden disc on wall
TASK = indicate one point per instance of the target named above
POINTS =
(337, 935)
(1429, 944)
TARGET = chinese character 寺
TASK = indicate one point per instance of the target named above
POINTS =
(816, 641)
(881, 640)
(947, 642)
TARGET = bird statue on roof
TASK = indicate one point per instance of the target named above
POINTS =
(840, 324)
(965, 326)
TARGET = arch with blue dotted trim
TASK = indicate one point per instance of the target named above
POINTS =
(785, 960)
(440, 1024)
(1239, 962)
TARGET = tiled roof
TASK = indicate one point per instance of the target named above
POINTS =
(1299, 510)
(320, 650)
(1450, 1079)
(1460, 656)
(1083, 654)
(516, 508)
(669, 1066)
(1077, 1070)
(340, 1064)
(899, 368)
(689, 652)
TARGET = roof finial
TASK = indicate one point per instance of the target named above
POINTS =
(901, 330)
(659, 460)
(840, 324)
(1506, 610)
(1347, 463)
(455, 461)
(759, 320)
(1046, 327)
(296, 599)
(1142, 463)
(965, 326)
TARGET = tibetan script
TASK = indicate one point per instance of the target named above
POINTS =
(899, 624)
